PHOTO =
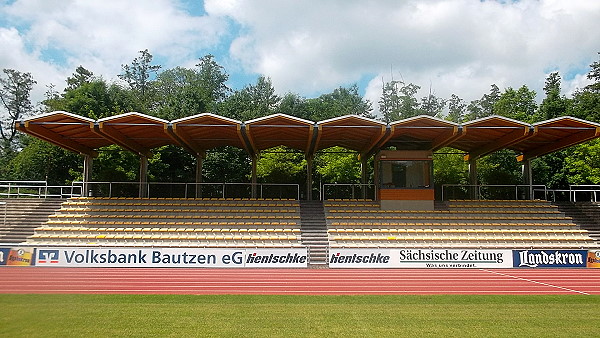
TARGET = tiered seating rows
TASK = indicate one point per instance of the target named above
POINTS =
(487, 224)
(205, 223)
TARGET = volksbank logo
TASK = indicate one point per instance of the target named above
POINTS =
(48, 256)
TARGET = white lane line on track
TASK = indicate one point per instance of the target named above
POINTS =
(536, 282)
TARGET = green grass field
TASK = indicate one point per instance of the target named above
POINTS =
(305, 316)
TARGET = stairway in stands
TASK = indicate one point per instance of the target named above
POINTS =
(584, 214)
(314, 232)
(23, 215)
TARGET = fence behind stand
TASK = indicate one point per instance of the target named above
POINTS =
(347, 191)
(37, 189)
(575, 193)
(192, 190)
(493, 192)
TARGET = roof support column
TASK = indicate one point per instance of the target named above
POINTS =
(254, 178)
(528, 178)
(88, 161)
(363, 176)
(143, 193)
(473, 188)
(309, 177)
(199, 162)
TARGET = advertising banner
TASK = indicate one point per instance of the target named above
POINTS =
(593, 259)
(420, 258)
(16, 256)
(550, 258)
(172, 257)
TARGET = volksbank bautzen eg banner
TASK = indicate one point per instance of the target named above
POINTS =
(172, 257)
(420, 258)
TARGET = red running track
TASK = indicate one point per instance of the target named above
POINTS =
(298, 281)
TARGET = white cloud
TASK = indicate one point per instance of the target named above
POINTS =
(103, 35)
(459, 46)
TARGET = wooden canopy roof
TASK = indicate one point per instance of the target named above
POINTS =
(141, 133)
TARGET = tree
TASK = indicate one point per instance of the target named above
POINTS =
(15, 91)
(227, 164)
(517, 104)
(582, 163)
(179, 94)
(484, 107)
(456, 109)
(212, 82)
(252, 101)
(281, 165)
(398, 101)
(553, 105)
(39, 160)
(79, 78)
(95, 99)
(138, 76)
(594, 75)
(432, 105)
(295, 105)
(337, 165)
(342, 101)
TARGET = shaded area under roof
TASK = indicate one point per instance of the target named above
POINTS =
(141, 133)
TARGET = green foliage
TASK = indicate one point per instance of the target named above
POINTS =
(95, 99)
(338, 165)
(15, 103)
(553, 105)
(281, 165)
(179, 94)
(594, 75)
(517, 104)
(41, 161)
(582, 163)
(171, 164)
(342, 101)
(115, 165)
(484, 107)
(138, 75)
(251, 102)
(586, 105)
(456, 109)
(398, 101)
(500, 167)
(226, 165)
(449, 167)
(550, 170)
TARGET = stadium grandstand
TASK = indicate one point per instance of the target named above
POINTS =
(398, 210)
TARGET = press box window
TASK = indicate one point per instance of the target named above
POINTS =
(406, 174)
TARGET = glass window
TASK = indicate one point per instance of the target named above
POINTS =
(405, 174)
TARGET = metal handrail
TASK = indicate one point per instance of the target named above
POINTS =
(4, 220)
(193, 189)
(39, 189)
(363, 188)
(592, 189)
(478, 193)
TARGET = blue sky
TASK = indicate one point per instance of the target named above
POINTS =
(312, 47)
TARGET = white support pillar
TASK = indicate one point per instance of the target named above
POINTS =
(143, 192)
(309, 177)
(254, 175)
(363, 176)
(199, 162)
(473, 189)
(88, 162)
(528, 177)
